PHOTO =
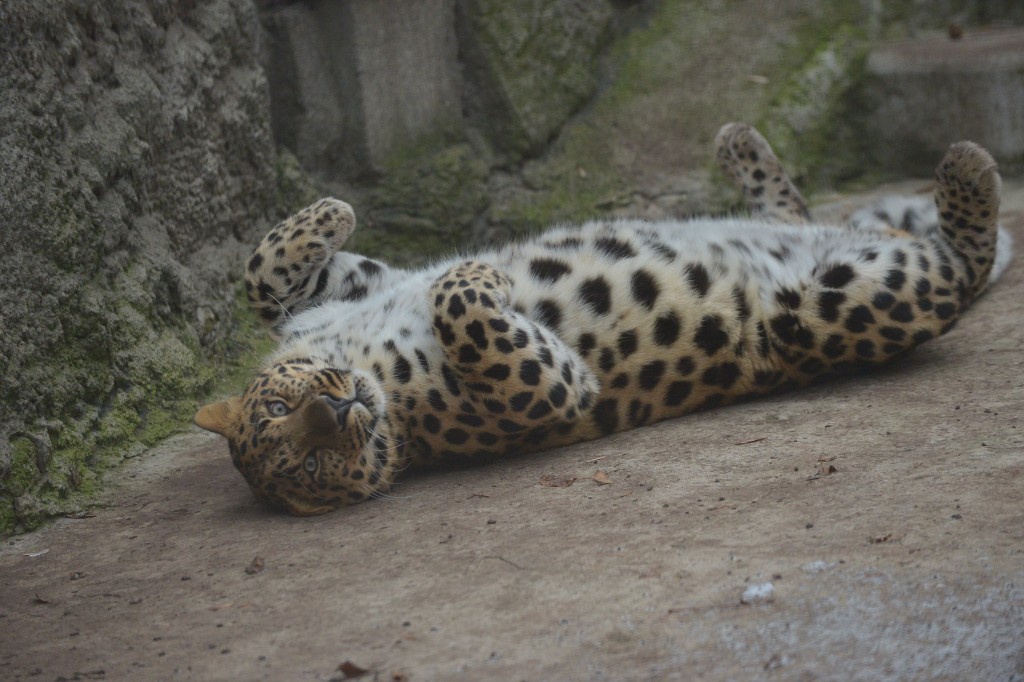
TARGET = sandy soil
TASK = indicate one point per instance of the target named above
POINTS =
(886, 512)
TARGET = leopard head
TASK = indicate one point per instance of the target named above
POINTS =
(306, 440)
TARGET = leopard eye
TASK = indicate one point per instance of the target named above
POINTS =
(278, 408)
(310, 463)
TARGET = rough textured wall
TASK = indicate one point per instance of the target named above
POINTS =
(135, 158)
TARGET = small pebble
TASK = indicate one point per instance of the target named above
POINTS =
(758, 593)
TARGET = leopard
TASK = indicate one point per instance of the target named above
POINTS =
(582, 331)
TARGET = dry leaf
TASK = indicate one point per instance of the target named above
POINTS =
(601, 477)
(39, 553)
(350, 670)
(40, 600)
(557, 481)
(255, 566)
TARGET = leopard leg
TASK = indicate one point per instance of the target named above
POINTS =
(299, 264)
(880, 295)
(967, 198)
(519, 369)
(748, 160)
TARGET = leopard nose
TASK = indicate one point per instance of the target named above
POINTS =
(341, 407)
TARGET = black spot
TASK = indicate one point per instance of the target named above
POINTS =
(557, 395)
(627, 343)
(549, 269)
(639, 413)
(498, 324)
(607, 359)
(699, 279)
(828, 305)
(468, 354)
(723, 375)
(902, 313)
(788, 298)
(597, 294)
(451, 382)
(710, 336)
(894, 279)
(651, 373)
(544, 355)
(519, 401)
(742, 307)
(470, 420)
(944, 311)
(923, 287)
(899, 258)
(542, 408)
(436, 401)
(456, 308)
(529, 372)
(494, 406)
(837, 276)
(369, 267)
(892, 333)
(498, 372)
(321, 282)
(614, 248)
(606, 416)
(677, 392)
(402, 370)
(520, 339)
(834, 346)
(503, 345)
(947, 272)
(685, 365)
(763, 344)
(922, 336)
(865, 349)
(548, 312)
(859, 319)
(789, 330)
(431, 423)
(644, 288)
(666, 329)
(509, 426)
(883, 300)
(620, 381)
(585, 344)
(475, 330)
(456, 436)
(255, 262)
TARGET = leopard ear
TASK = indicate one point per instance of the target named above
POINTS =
(219, 417)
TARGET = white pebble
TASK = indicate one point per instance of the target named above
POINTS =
(758, 593)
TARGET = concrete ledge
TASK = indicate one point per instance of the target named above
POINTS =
(927, 93)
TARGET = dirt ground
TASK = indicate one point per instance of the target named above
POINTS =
(885, 511)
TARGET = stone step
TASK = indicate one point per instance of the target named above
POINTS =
(928, 92)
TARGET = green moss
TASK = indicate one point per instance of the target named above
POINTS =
(23, 472)
(426, 203)
(811, 121)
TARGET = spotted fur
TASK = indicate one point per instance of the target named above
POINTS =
(581, 331)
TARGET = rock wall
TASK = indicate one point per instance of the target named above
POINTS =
(136, 163)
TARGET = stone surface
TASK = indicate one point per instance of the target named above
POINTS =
(135, 162)
(928, 91)
(356, 81)
(530, 65)
(906, 562)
